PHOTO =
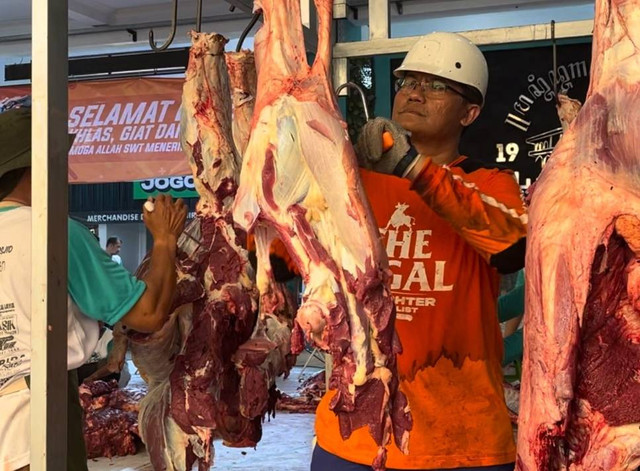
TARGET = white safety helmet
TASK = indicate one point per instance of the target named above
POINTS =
(450, 56)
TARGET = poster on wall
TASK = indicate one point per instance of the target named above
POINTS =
(126, 129)
(519, 125)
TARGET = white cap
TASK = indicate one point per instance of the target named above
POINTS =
(450, 56)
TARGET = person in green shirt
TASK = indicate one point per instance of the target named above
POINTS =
(511, 311)
(99, 290)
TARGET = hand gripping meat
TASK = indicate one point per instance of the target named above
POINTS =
(300, 180)
(580, 395)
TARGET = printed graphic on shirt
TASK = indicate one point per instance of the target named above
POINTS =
(8, 330)
(4, 249)
(11, 359)
(416, 274)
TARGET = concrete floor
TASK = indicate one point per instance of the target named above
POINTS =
(286, 442)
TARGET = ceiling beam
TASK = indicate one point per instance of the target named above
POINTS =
(119, 40)
(485, 37)
(463, 7)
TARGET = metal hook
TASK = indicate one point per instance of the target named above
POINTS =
(243, 36)
(174, 23)
(362, 96)
(555, 60)
(199, 16)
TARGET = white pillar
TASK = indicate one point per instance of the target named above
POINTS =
(379, 27)
(102, 235)
(49, 236)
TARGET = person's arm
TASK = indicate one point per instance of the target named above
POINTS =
(105, 291)
(513, 347)
(165, 223)
(115, 357)
(152, 309)
(511, 304)
(492, 217)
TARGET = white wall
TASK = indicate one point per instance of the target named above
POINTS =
(134, 242)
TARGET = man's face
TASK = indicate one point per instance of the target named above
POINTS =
(114, 249)
(430, 111)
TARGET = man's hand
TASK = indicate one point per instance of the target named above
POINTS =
(369, 149)
(166, 220)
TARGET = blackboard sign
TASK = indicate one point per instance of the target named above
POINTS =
(519, 125)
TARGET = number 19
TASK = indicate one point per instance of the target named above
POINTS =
(512, 150)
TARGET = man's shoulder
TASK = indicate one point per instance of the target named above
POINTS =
(469, 165)
(377, 180)
(81, 240)
(78, 230)
(483, 173)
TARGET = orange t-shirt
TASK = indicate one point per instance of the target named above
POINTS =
(445, 291)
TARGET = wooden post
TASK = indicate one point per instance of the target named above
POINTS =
(49, 236)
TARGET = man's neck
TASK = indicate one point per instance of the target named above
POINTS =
(439, 153)
(18, 201)
(21, 194)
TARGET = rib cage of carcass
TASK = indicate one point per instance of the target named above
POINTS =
(211, 369)
(580, 395)
(300, 182)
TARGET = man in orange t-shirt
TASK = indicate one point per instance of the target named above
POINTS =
(450, 225)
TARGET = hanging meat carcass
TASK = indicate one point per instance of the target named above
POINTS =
(211, 370)
(300, 181)
(580, 396)
(267, 354)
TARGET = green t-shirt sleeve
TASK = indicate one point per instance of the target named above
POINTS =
(102, 289)
(511, 304)
(513, 347)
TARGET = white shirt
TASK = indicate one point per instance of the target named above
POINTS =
(15, 334)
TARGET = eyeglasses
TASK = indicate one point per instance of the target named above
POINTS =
(432, 88)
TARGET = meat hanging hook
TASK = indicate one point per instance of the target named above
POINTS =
(362, 96)
(555, 60)
(199, 16)
(174, 24)
(243, 36)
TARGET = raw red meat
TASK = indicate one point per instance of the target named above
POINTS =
(580, 393)
(197, 392)
(300, 181)
(308, 397)
(268, 353)
(211, 369)
(111, 419)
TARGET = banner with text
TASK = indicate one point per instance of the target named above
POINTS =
(125, 129)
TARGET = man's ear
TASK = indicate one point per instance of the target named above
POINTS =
(471, 114)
